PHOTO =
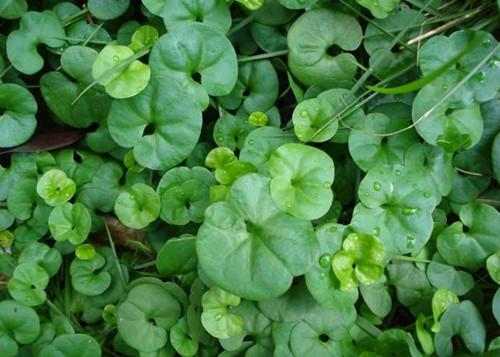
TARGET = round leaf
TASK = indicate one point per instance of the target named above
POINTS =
(28, 284)
(138, 206)
(86, 277)
(18, 324)
(70, 222)
(247, 246)
(301, 180)
(213, 13)
(74, 345)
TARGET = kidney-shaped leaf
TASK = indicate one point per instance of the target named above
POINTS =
(396, 205)
(247, 246)
(173, 117)
(17, 115)
(216, 318)
(310, 40)
(34, 28)
(87, 277)
(146, 315)
(18, 324)
(28, 284)
(301, 180)
(72, 345)
(469, 243)
(70, 222)
(213, 13)
(196, 48)
(138, 206)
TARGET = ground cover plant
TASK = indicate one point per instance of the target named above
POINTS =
(249, 178)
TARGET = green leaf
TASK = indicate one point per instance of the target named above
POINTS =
(55, 187)
(183, 52)
(121, 76)
(174, 119)
(469, 243)
(177, 256)
(17, 115)
(380, 8)
(18, 324)
(182, 342)
(441, 301)
(108, 9)
(256, 89)
(13, 9)
(446, 276)
(87, 276)
(144, 37)
(213, 13)
(49, 259)
(184, 194)
(28, 284)
(493, 266)
(396, 205)
(454, 124)
(146, 315)
(248, 247)
(138, 206)
(301, 180)
(216, 319)
(72, 345)
(311, 115)
(310, 39)
(465, 321)
(35, 28)
(70, 222)
(370, 147)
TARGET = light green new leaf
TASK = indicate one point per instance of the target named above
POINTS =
(248, 247)
(311, 115)
(441, 300)
(301, 179)
(55, 187)
(138, 206)
(216, 319)
(379, 8)
(70, 222)
(120, 78)
(17, 115)
(35, 28)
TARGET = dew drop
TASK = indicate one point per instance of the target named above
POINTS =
(487, 43)
(408, 211)
(326, 184)
(427, 194)
(479, 76)
(251, 142)
(116, 59)
(322, 275)
(377, 186)
(445, 87)
(325, 260)
(304, 113)
(410, 242)
(376, 231)
(333, 229)
(288, 205)
(220, 138)
(218, 316)
(398, 173)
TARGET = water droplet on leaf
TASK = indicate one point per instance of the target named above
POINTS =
(116, 59)
(325, 260)
(376, 231)
(410, 242)
(218, 316)
(304, 113)
(408, 211)
(326, 184)
(398, 172)
(377, 186)
(427, 194)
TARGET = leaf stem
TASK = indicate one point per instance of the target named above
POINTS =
(4, 72)
(70, 19)
(117, 262)
(247, 20)
(263, 56)
(368, 327)
(145, 265)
